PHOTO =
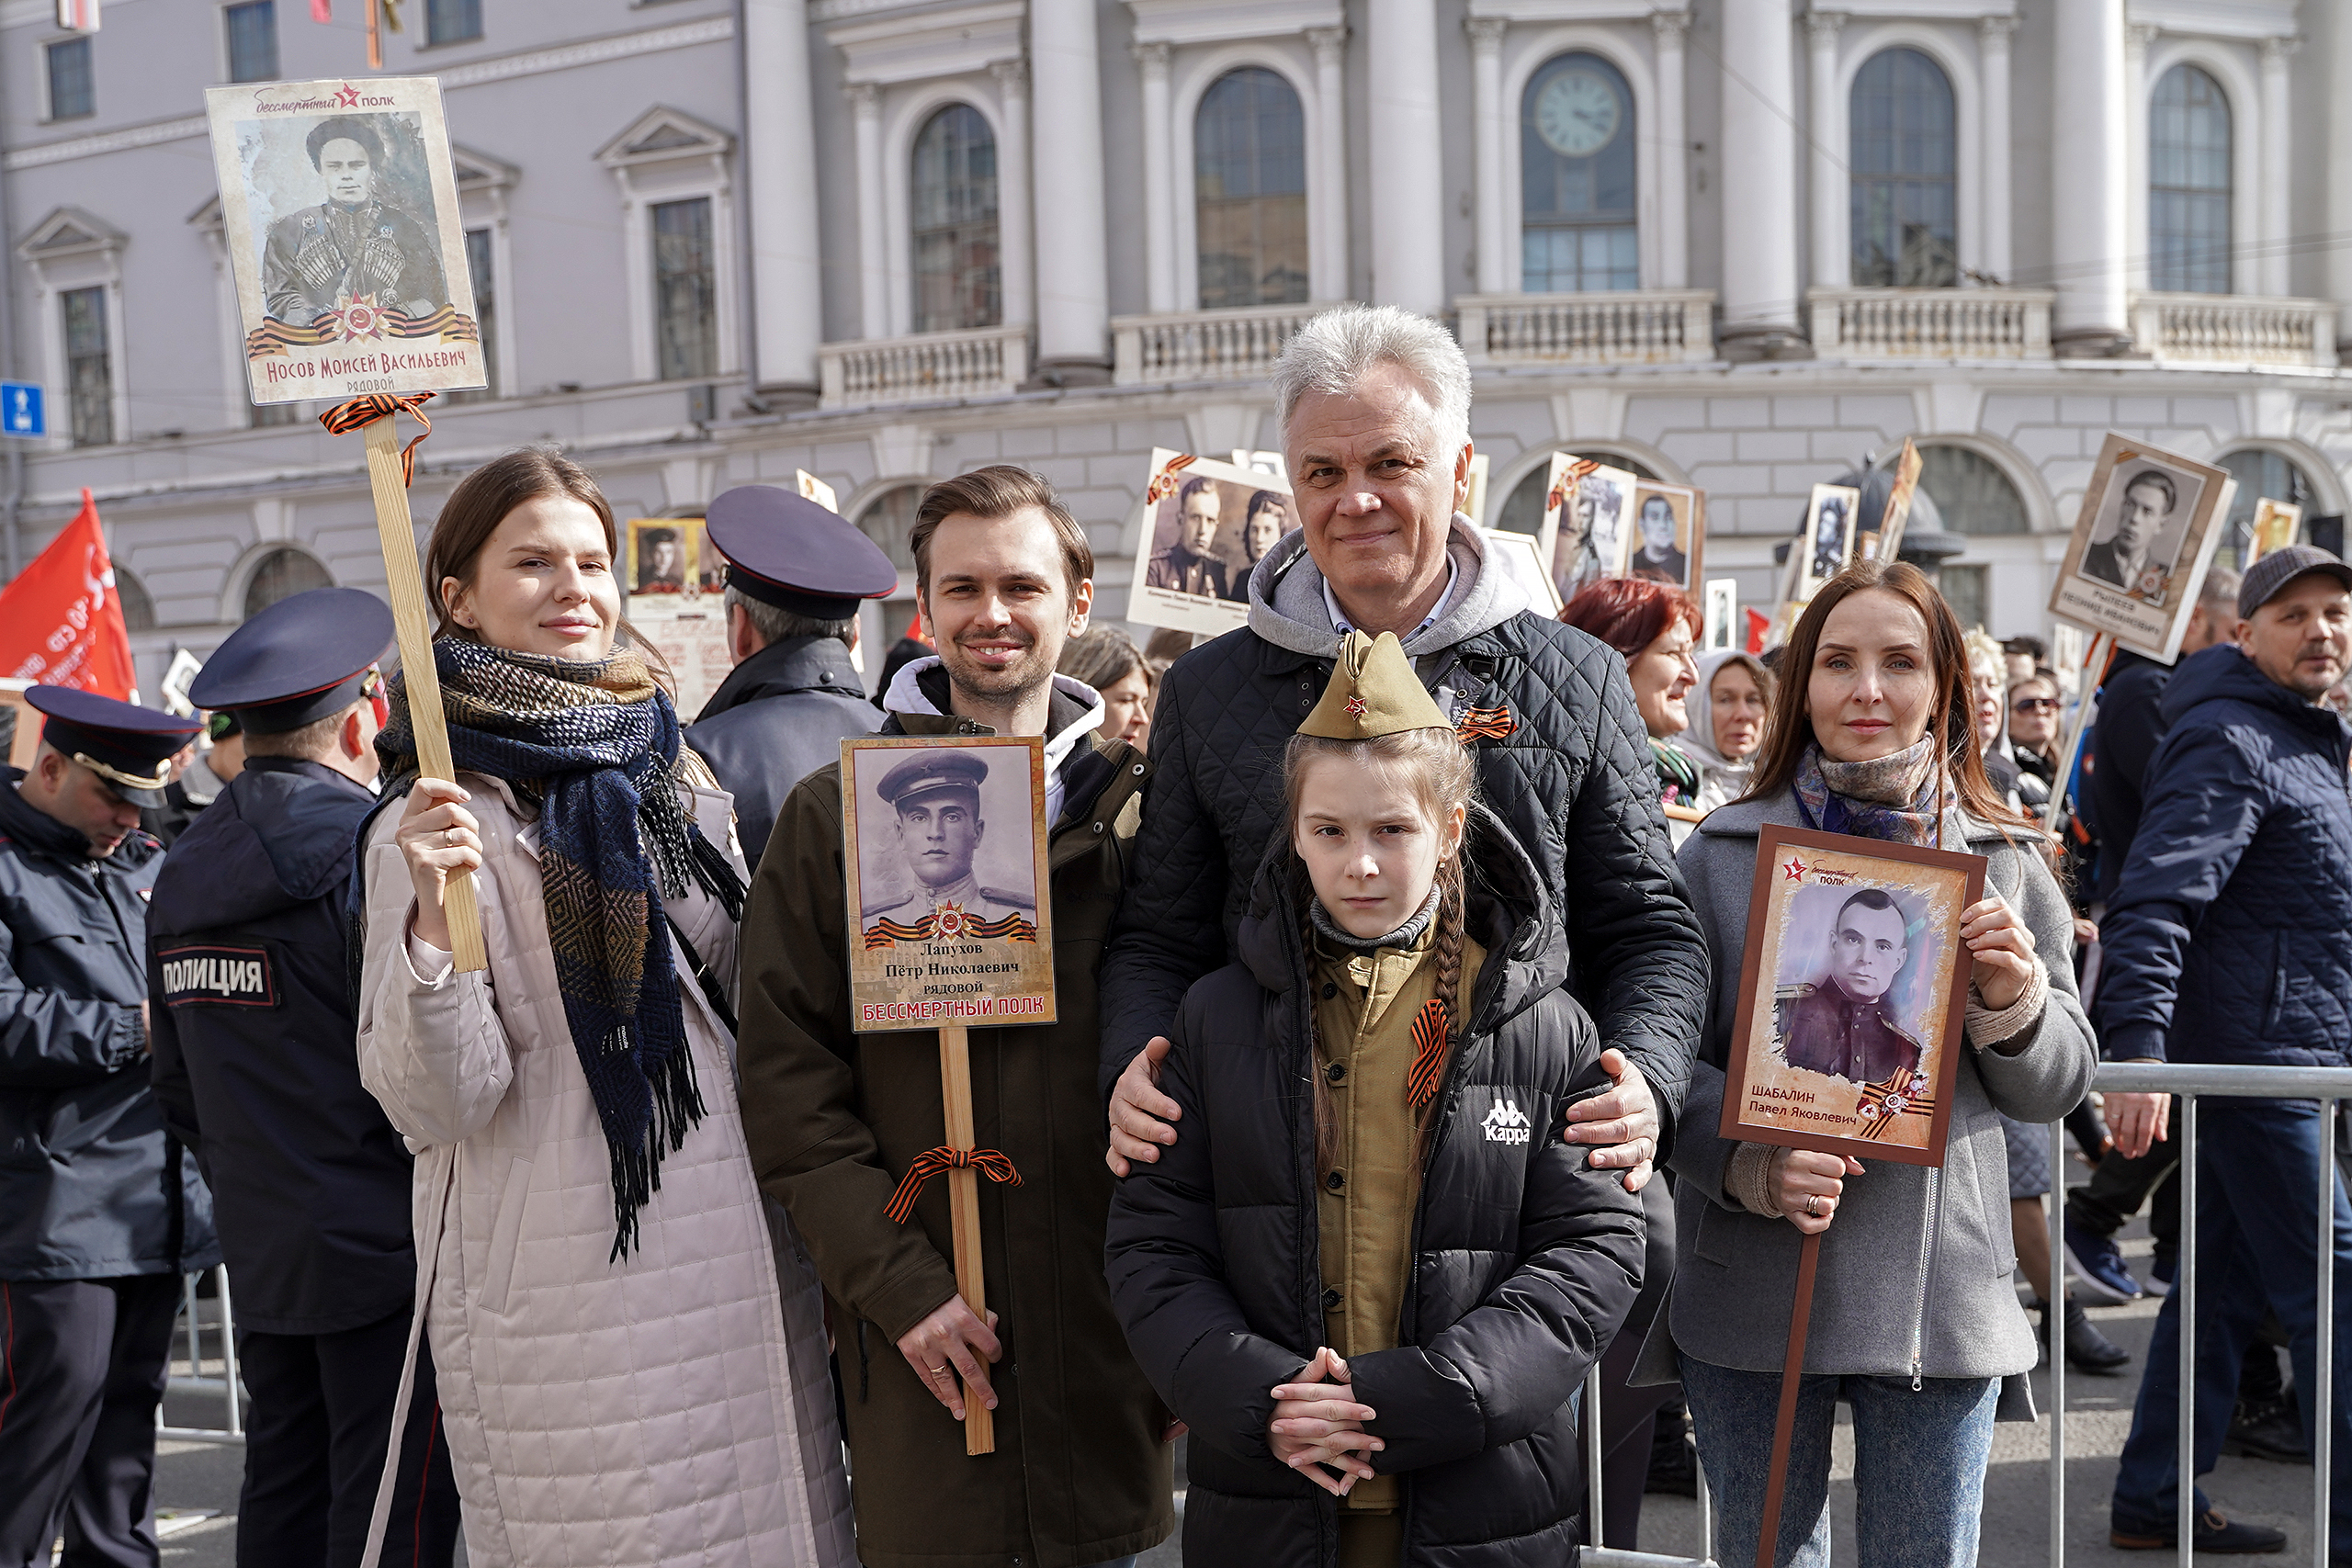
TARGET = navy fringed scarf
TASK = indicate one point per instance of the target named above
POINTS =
(590, 743)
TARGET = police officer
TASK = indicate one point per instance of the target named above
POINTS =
(257, 1064)
(795, 573)
(936, 798)
(1840, 1027)
(100, 1210)
(201, 782)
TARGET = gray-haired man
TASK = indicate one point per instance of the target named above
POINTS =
(1375, 405)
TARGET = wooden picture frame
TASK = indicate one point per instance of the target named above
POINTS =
(1686, 508)
(2277, 525)
(1722, 607)
(969, 939)
(2174, 522)
(1805, 919)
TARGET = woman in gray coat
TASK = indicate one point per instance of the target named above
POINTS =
(1915, 1323)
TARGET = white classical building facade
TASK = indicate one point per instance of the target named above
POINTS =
(1746, 244)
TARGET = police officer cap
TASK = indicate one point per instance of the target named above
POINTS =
(785, 550)
(928, 770)
(130, 748)
(305, 657)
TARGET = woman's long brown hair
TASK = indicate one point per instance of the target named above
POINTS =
(481, 501)
(1953, 718)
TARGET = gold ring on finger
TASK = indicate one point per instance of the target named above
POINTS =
(1813, 1205)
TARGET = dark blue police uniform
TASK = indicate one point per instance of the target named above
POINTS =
(257, 1064)
(783, 713)
(100, 1209)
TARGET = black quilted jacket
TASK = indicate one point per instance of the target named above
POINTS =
(1524, 1260)
(1572, 780)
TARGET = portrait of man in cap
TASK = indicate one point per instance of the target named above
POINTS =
(359, 240)
(1843, 1025)
(1191, 564)
(934, 831)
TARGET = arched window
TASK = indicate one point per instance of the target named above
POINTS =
(1576, 179)
(1250, 189)
(957, 279)
(2259, 473)
(2188, 184)
(888, 520)
(281, 574)
(138, 606)
(1903, 160)
(1971, 493)
(1522, 510)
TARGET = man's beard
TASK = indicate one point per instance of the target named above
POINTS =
(1009, 685)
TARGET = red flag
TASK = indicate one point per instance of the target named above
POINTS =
(61, 620)
(320, 10)
(1758, 623)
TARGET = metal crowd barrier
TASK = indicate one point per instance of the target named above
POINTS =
(225, 1387)
(2330, 1085)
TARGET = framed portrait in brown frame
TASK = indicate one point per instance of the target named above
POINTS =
(1852, 994)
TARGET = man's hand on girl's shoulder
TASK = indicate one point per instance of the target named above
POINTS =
(1623, 1125)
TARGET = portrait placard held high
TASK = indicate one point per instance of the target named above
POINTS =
(2148, 529)
(1203, 528)
(1588, 514)
(946, 855)
(1852, 993)
(339, 207)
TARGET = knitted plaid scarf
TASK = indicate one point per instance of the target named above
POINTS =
(1894, 797)
(590, 744)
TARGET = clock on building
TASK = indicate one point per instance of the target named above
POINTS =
(1577, 113)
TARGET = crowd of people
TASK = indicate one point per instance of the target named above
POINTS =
(1396, 943)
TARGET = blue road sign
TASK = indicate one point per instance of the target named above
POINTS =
(23, 411)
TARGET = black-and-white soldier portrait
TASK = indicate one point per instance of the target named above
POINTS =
(1842, 1025)
(936, 828)
(358, 240)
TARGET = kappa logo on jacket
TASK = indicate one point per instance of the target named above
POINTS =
(1507, 1124)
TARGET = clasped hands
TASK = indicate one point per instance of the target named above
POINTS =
(1317, 1426)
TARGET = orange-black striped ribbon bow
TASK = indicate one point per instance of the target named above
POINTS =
(931, 1162)
(361, 412)
(1903, 1092)
(1486, 724)
(1428, 1053)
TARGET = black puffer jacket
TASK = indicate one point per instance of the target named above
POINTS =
(1524, 1261)
(1573, 778)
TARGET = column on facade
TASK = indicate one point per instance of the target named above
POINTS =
(1073, 260)
(1993, 49)
(1488, 120)
(2337, 166)
(1759, 199)
(1827, 180)
(1671, 140)
(1406, 136)
(1017, 282)
(1158, 179)
(2091, 151)
(1326, 251)
(873, 217)
(788, 293)
(2271, 273)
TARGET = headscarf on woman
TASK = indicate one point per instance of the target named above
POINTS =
(1721, 778)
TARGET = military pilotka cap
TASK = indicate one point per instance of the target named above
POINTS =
(1372, 692)
(130, 748)
(927, 771)
(305, 657)
(2266, 578)
(785, 550)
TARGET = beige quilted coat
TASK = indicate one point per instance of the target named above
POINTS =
(668, 1409)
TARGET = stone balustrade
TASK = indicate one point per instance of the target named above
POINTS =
(1931, 323)
(925, 367)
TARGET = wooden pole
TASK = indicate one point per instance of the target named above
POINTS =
(2093, 671)
(405, 585)
(1784, 1426)
(964, 1204)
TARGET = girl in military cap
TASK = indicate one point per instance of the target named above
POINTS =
(1373, 1274)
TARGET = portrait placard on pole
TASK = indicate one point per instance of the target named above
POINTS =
(2148, 532)
(1826, 545)
(945, 842)
(1202, 529)
(2276, 523)
(1587, 515)
(339, 207)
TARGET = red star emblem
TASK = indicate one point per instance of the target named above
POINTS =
(1793, 870)
(348, 97)
(1356, 709)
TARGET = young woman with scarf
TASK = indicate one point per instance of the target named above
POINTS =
(622, 1381)
(1915, 1322)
